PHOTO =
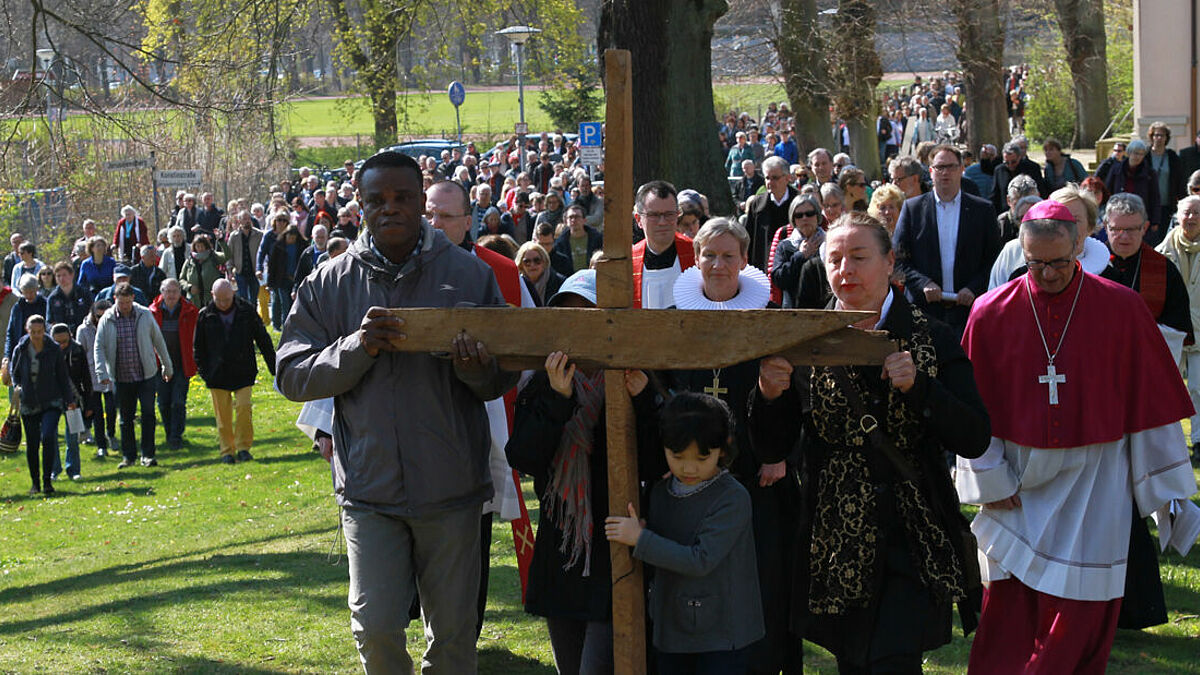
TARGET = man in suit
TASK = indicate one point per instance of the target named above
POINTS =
(768, 211)
(946, 242)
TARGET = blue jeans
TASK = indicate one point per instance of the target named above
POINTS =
(247, 287)
(41, 434)
(281, 304)
(129, 396)
(73, 466)
(103, 405)
(172, 407)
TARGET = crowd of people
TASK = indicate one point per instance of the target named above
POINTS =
(769, 517)
(781, 502)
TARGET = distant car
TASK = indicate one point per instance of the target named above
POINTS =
(432, 147)
(533, 137)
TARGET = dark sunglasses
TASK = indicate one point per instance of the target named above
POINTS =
(804, 214)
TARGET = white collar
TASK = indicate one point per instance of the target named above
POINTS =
(754, 290)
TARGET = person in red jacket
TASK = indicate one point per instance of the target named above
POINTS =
(176, 318)
(131, 234)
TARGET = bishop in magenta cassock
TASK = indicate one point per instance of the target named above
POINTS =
(1085, 421)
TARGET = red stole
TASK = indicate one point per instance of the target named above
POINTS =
(509, 280)
(506, 274)
(684, 250)
(1121, 377)
(1153, 280)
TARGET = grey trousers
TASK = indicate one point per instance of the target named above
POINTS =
(390, 559)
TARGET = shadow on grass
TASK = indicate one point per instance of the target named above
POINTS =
(500, 661)
(164, 566)
(198, 664)
(297, 570)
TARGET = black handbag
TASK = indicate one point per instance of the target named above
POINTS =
(10, 432)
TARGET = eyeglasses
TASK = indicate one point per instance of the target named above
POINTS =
(438, 215)
(1056, 264)
(532, 261)
(943, 167)
(861, 183)
(669, 216)
(1118, 231)
(804, 214)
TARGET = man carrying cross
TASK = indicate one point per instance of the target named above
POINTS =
(1082, 408)
(410, 430)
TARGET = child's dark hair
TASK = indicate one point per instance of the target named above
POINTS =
(704, 420)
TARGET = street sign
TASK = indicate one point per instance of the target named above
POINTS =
(457, 93)
(127, 164)
(521, 128)
(591, 155)
(590, 135)
(179, 177)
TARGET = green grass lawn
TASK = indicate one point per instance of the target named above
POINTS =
(195, 566)
(490, 113)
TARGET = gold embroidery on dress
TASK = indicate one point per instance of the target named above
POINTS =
(845, 535)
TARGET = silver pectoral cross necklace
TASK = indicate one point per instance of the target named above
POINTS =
(1052, 378)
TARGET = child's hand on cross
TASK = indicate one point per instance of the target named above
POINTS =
(624, 530)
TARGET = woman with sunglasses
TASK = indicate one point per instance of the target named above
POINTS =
(802, 243)
(534, 264)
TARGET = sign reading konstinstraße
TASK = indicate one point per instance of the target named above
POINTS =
(179, 177)
(128, 164)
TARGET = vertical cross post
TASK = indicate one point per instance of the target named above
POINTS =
(614, 289)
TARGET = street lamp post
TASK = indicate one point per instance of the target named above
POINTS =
(46, 59)
(519, 35)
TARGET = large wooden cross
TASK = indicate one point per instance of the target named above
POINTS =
(616, 337)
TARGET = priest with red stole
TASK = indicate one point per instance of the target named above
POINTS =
(663, 255)
(1135, 265)
(1160, 284)
(448, 208)
(1085, 417)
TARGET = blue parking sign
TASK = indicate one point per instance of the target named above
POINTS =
(590, 135)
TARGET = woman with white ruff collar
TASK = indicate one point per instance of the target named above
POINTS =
(723, 279)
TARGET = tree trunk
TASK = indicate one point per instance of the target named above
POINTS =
(801, 57)
(857, 70)
(981, 53)
(375, 66)
(675, 136)
(1082, 25)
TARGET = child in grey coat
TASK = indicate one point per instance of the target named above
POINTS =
(704, 598)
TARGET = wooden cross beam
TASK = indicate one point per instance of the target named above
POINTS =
(615, 337)
(649, 339)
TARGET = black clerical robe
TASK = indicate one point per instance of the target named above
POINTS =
(1144, 604)
(1131, 272)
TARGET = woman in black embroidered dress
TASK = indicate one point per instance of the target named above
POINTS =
(880, 558)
